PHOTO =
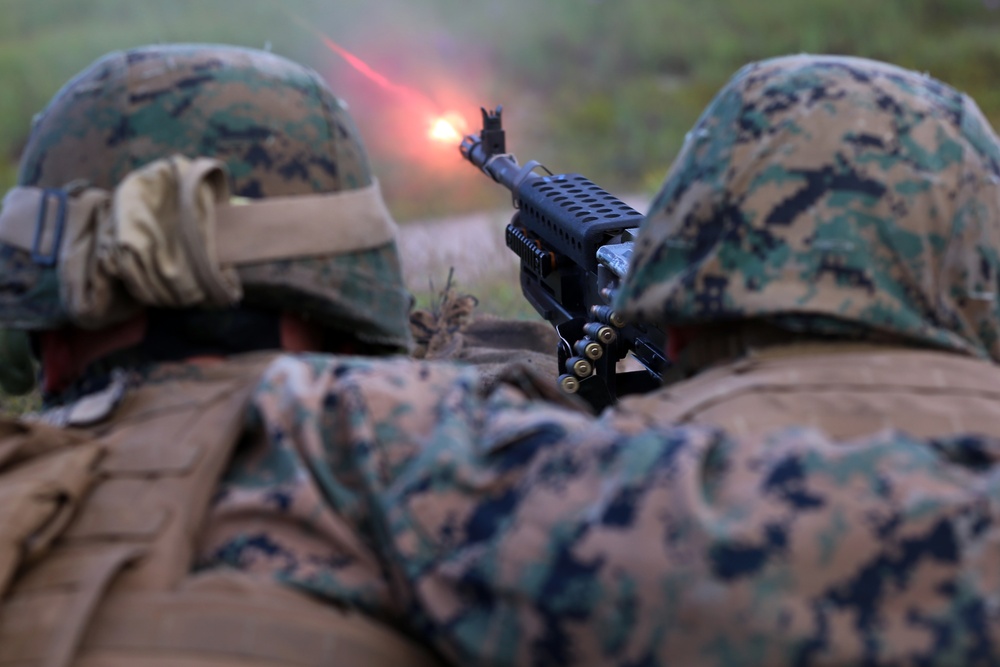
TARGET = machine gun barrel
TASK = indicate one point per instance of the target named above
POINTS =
(487, 151)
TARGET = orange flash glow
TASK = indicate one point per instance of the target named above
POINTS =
(442, 130)
(448, 128)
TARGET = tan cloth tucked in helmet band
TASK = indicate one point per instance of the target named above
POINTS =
(169, 236)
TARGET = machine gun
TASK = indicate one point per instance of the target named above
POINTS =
(575, 243)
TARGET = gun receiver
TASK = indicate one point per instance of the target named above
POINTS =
(574, 240)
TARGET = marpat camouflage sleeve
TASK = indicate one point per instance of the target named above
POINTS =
(507, 531)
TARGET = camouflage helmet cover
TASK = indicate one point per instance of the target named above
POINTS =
(832, 195)
(278, 128)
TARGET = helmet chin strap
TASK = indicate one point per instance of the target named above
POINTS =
(66, 353)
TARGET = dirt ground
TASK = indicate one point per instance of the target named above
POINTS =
(473, 244)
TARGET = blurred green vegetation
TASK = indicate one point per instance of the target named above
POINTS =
(13, 406)
(619, 82)
(603, 87)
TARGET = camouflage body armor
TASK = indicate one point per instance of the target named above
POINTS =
(101, 516)
(100, 526)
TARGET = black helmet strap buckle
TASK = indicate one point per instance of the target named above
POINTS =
(51, 257)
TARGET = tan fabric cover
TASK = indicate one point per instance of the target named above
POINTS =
(844, 390)
(169, 236)
(336, 223)
(102, 578)
(164, 239)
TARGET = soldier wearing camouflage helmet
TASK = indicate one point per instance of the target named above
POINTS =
(828, 213)
(821, 492)
(183, 213)
(274, 130)
(825, 257)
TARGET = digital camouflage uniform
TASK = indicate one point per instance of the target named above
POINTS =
(843, 513)
(498, 528)
(509, 531)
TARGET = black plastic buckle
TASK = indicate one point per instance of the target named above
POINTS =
(52, 257)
